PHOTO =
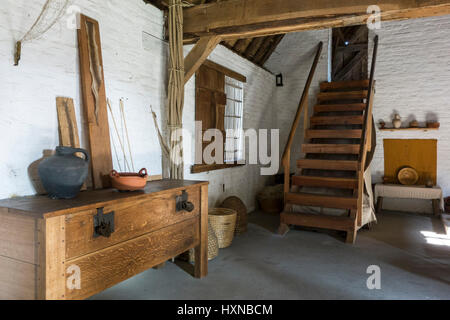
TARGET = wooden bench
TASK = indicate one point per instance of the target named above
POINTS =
(409, 192)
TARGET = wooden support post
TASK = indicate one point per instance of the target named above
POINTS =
(201, 251)
(198, 55)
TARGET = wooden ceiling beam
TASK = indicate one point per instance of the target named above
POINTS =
(235, 19)
(198, 54)
(276, 40)
(242, 45)
(253, 47)
(265, 46)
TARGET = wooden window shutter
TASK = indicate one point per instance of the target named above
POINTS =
(210, 99)
(210, 105)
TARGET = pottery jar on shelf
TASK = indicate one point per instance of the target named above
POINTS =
(397, 122)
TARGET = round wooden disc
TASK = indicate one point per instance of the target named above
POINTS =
(408, 176)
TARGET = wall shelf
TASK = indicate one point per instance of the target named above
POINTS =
(408, 129)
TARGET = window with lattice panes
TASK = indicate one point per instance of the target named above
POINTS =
(233, 120)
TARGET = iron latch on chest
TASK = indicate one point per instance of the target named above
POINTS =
(103, 224)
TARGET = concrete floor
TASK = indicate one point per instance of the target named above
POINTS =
(310, 265)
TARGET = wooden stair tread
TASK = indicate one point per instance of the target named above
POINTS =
(338, 134)
(339, 107)
(342, 165)
(322, 201)
(317, 221)
(326, 86)
(337, 120)
(342, 95)
(331, 148)
(326, 182)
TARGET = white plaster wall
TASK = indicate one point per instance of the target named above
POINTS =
(49, 68)
(413, 79)
(293, 58)
(135, 68)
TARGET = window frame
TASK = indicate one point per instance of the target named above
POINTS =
(198, 168)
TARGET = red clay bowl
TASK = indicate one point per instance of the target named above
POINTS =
(128, 181)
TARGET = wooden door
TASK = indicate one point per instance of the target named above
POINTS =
(350, 53)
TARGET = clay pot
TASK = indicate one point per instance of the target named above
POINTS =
(127, 181)
(382, 124)
(414, 124)
(433, 124)
(397, 122)
(63, 174)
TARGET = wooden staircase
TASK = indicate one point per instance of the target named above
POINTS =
(331, 174)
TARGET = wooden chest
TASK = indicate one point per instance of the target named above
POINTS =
(72, 249)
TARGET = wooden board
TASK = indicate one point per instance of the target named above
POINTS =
(107, 267)
(17, 280)
(317, 221)
(344, 165)
(333, 134)
(420, 154)
(67, 125)
(330, 148)
(19, 256)
(344, 95)
(337, 120)
(339, 107)
(68, 129)
(18, 237)
(95, 110)
(337, 85)
(309, 199)
(325, 182)
(53, 264)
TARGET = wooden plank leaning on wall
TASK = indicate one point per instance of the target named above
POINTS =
(67, 125)
(94, 101)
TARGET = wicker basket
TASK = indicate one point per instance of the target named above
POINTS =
(223, 221)
(241, 220)
(270, 199)
(213, 246)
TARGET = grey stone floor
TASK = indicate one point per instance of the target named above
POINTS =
(311, 265)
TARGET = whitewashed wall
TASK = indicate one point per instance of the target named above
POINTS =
(293, 58)
(413, 79)
(49, 68)
(135, 60)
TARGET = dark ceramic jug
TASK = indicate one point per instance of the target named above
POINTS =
(64, 173)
